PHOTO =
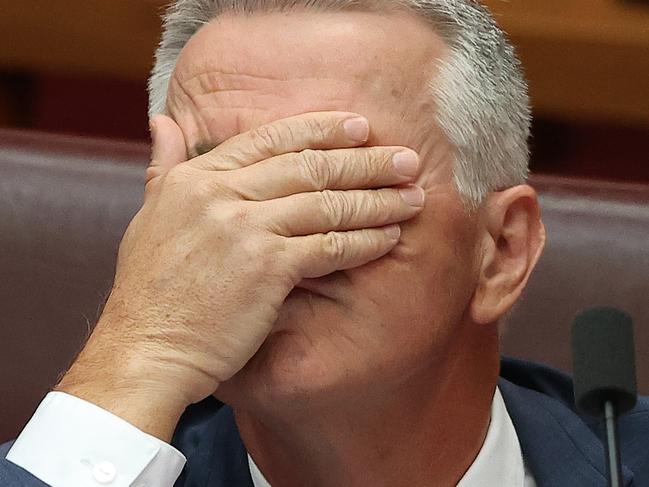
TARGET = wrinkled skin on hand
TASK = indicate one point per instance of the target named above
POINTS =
(222, 239)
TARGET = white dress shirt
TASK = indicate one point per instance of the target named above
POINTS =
(70, 442)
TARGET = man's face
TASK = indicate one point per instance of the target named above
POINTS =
(374, 326)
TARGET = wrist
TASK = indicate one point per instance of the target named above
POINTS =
(131, 388)
(152, 409)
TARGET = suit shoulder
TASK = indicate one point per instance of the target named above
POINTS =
(538, 377)
(554, 383)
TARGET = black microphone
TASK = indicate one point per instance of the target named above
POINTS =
(603, 364)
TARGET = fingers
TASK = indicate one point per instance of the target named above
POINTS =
(316, 170)
(321, 212)
(167, 148)
(316, 130)
(318, 255)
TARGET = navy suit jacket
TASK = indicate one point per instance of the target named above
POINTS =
(560, 447)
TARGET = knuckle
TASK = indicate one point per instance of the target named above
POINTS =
(266, 137)
(335, 207)
(315, 169)
(200, 190)
(211, 160)
(319, 129)
(176, 175)
(152, 172)
(229, 216)
(267, 251)
(334, 246)
(385, 200)
(216, 185)
(276, 254)
(288, 263)
(208, 189)
(385, 156)
(368, 204)
(175, 181)
(372, 241)
(367, 166)
(254, 248)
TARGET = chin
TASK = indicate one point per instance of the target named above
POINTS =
(288, 371)
(310, 358)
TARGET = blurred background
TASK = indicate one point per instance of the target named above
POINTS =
(80, 67)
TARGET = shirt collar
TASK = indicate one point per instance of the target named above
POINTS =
(499, 461)
(258, 478)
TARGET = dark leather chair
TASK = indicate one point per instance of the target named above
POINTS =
(597, 253)
(66, 201)
(64, 205)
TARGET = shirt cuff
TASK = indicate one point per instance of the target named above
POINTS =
(71, 442)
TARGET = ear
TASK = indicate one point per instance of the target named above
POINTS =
(514, 237)
(167, 148)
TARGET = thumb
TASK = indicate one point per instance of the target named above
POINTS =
(167, 148)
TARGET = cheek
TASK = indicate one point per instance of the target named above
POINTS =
(420, 291)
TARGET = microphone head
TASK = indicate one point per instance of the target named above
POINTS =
(603, 359)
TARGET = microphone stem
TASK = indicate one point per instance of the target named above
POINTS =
(613, 462)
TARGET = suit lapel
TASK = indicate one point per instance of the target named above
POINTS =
(558, 447)
(216, 456)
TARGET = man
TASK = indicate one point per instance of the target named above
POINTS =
(335, 221)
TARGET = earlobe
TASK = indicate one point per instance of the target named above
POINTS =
(514, 238)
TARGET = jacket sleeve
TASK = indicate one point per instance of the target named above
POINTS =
(12, 475)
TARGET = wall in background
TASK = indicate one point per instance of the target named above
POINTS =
(80, 66)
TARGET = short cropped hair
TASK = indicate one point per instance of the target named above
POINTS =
(479, 90)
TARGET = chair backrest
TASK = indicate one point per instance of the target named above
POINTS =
(64, 205)
(597, 253)
(66, 201)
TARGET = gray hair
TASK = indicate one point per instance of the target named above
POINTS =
(480, 93)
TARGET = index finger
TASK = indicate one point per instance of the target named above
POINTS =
(314, 130)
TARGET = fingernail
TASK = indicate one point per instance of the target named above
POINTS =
(406, 162)
(392, 231)
(357, 129)
(413, 195)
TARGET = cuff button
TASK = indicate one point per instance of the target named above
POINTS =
(104, 472)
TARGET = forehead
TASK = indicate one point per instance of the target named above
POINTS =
(240, 71)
